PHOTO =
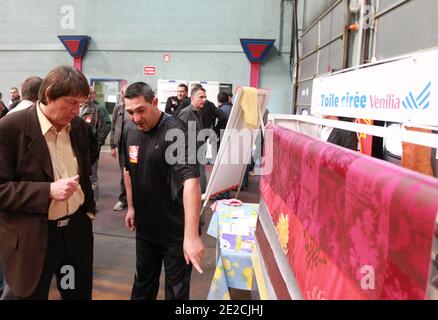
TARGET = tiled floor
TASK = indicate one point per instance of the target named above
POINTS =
(114, 244)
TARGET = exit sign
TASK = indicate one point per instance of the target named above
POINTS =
(150, 70)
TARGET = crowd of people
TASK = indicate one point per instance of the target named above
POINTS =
(51, 134)
(52, 163)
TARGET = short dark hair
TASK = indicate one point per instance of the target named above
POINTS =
(63, 81)
(30, 88)
(182, 85)
(195, 89)
(140, 89)
(197, 85)
(14, 88)
(222, 97)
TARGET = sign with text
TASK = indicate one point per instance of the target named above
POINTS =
(150, 70)
(405, 90)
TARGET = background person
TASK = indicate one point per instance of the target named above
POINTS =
(117, 150)
(92, 114)
(15, 98)
(173, 103)
(29, 92)
(3, 109)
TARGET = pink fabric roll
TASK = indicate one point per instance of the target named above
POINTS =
(357, 227)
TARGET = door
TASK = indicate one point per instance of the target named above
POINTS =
(108, 92)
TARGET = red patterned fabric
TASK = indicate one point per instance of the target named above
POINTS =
(351, 219)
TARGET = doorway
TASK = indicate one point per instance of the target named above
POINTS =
(108, 92)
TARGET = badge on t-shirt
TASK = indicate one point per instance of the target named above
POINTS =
(133, 154)
(88, 118)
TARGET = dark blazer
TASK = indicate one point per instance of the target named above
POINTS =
(174, 106)
(25, 176)
(209, 114)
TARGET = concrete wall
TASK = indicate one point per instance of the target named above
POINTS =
(202, 37)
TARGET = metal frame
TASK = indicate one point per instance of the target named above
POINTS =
(414, 137)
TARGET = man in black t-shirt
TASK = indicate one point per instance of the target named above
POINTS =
(157, 180)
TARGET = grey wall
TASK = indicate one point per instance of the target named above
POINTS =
(321, 45)
(414, 23)
(312, 9)
(202, 37)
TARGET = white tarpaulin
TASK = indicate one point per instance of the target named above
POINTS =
(236, 147)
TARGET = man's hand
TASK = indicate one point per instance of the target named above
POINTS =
(63, 189)
(193, 252)
(130, 219)
(113, 152)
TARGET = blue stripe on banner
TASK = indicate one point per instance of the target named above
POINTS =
(413, 100)
(409, 103)
(424, 100)
(425, 89)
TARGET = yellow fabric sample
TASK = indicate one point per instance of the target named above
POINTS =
(250, 107)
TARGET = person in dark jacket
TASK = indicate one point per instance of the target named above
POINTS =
(119, 120)
(92, 114)
(173, 103)
(340, 137)
(15, 98)
(225, 106)
(3, 108)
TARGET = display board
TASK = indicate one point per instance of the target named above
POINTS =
(235, 149)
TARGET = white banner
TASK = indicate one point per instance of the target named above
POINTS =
(404, 91)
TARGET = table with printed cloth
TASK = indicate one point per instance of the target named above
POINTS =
(233, 227)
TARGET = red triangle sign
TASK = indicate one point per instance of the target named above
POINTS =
(73, 45)
(257, 49)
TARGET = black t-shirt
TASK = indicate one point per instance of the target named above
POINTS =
(157, 186)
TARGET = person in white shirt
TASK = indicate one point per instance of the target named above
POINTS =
(29, 93)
